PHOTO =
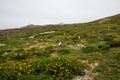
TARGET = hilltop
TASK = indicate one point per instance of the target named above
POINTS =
(108, 20)
(90, 51)
(31, 28)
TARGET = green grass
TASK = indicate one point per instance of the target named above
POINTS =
(24, 62)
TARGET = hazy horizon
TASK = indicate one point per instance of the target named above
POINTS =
(19, 13)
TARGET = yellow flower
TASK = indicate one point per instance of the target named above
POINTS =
(19, 74)
(19, 64)
(62, 78)
(29, 65)
(66, 70)
(24, 63)
(20, 68)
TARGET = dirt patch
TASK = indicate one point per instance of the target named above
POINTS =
(72, 56)
(78, 46)
(88, 76)
(39, 45)
(9, 62)
(47, 32)
(32, 36)
(104, 20)
(2, 44)
(93, 65)
(89, 73)
(54, 55)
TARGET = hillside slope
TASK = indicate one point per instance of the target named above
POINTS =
(31, 28)
(108, 20)
(89, 51)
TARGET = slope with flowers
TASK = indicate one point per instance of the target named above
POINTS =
(91, 51)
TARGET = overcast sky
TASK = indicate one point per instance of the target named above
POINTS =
(18, 13)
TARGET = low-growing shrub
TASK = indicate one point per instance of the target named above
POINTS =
(108, 38)
(60, 68)
(115, 43)
(89, 49)
(103, 46)
(45, 68)
(109, 69)
(45, 52)
(33, 77)
(72, 56)
(62, 51)
(49, 49)
(33, 52)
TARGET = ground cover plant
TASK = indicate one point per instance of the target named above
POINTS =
(91, 51)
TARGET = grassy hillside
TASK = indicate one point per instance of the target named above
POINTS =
(91, 51)
(109, 20)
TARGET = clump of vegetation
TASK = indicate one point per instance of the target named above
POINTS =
(63, 51)
(103, 46)
(89, 49)
(109, 68)
(34, 77)
(31, 56)
(56, 68)
(115, 43)
(108, 38)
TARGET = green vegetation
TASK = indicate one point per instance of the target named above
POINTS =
(90, 47)
(55, 68)
(109, 68)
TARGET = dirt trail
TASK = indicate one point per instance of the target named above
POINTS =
(38, 45)
(77, 46)
(89, 73)
(2, 44)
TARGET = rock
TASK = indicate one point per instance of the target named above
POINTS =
(78, 37)
(61, 44)
(32, 36)
(27, 43)
(93, 65)
(6, 53)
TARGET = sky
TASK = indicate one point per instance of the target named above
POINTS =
(19, 13)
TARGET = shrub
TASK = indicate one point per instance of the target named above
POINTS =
(103, 46)
(108, 38)
(20, 56)
(33, 52)
(46, 68)
(109, 69)
(16, 70)
(61, 68)
(75, 39)
(62, 51)
(72, 56)
(33, 77)
(89, 49)
(115, 43)
(49, 49)
(20, 50)
(45, 52)
(2, 52)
